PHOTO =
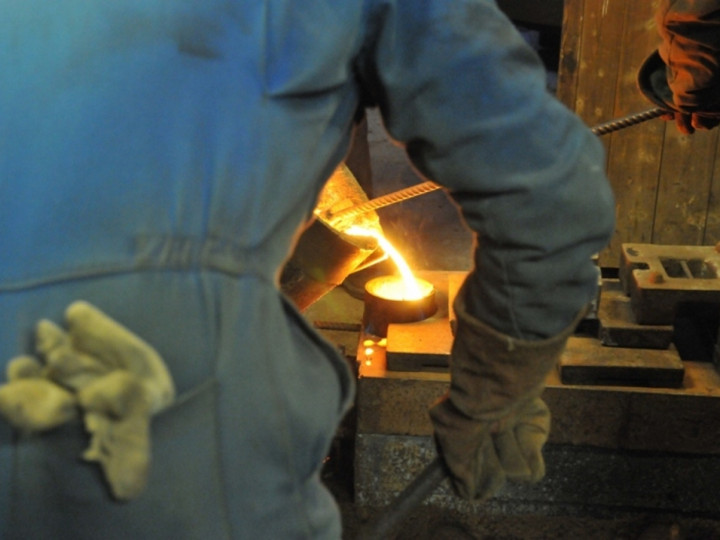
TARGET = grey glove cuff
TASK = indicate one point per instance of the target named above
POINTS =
(491, 372)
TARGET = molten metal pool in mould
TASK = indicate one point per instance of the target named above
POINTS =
(391, 299)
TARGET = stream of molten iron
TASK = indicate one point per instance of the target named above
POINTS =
(406, 289)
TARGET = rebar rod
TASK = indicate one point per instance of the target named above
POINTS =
(627, 121)
(386, 200)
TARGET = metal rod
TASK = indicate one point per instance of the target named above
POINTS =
(627, 121)
(422, 486)
(386, 200)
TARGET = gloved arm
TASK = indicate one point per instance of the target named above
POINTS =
(491, 425)
(460, 88)
(690, 48)
(103, 372)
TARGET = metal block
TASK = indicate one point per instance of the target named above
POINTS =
(587, 361)
(659, 278)
(422, 346)
(618, 326)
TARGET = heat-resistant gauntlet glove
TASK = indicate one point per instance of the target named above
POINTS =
(690, 48)
(491, 425)
(103, 372)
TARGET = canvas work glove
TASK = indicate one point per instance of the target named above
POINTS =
(491, 425)
(98, 370)
(690, 49)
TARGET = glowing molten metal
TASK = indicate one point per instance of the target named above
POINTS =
(407, 287)
(393, 299)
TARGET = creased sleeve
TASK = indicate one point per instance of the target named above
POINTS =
(458, 86)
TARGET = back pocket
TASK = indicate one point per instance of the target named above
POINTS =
(53, 490)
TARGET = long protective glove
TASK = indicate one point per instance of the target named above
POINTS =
(104, 372)
(491, 425)
(690, 48)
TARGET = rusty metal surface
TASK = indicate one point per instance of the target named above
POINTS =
(587, 361)
(659, 278)
(423, 345)
(618, 326)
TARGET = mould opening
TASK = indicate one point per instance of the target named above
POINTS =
(688, 268)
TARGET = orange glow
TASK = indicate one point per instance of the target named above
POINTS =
(406, 289)
(368, 352)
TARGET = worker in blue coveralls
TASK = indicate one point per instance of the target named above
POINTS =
(158, 160)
